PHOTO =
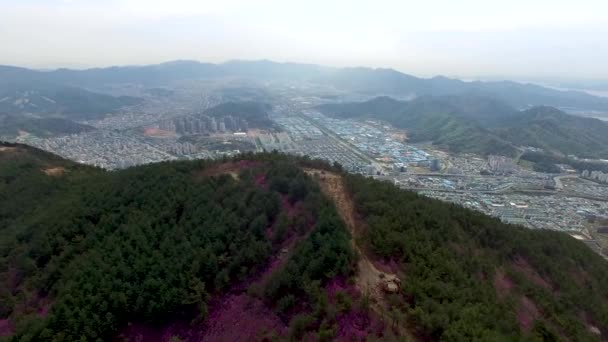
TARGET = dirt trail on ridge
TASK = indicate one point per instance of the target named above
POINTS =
(369, 279)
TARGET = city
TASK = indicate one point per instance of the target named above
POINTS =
(186, 171)
(498, 186)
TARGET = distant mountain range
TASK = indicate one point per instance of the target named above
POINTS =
(483, 125)
(480, 117)
(362, 80)
(45, 108)
(49, 99)
(12, 125)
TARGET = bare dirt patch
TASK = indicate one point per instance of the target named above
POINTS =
(260, 180)
(158, 133)
(369, 280)
(502, 284)
(357, 323)
(228, 168)
(242, 318)
(527, 313)
(6, 327)
(7, 149)
(237, 314)
(522, 266)
(593, 325)
(55, 171)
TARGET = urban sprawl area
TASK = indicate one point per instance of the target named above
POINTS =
(495, 185)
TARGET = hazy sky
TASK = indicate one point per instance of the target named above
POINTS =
(467, 38)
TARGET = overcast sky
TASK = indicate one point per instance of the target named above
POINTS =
(527, 39)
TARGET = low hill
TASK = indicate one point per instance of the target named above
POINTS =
(269, 246)
(554, 130)
(57, 100)
(483, 125)
(431, 119)
(11, 125)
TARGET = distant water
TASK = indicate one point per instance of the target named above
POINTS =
(590, 114)
(600, 93)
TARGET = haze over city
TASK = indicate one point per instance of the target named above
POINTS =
(540, 40)
(276, 170)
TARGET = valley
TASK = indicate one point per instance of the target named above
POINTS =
(279, 171)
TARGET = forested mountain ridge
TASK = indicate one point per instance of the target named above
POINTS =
(483, 125)
(437, 120)
(49, 99)
(12, 125)
(46, 109)
(359, 79)
(554, 130)
(253, 248)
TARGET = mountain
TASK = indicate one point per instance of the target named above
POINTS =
(483, 125)
(554, 130)
(447, 122)
(46, 109)
(12, 125)
(267, 246)
(363, 80)
(47, 99)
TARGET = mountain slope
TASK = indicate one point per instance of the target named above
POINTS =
(483, 125)
(47, 99)
(364, 80)
(12, 125)
(439, 120)
(252, 248)
(96, 254)
(467, 276)
(554, 130)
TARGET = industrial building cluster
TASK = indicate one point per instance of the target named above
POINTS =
(372, 139)
(519, 196)
(555, 212)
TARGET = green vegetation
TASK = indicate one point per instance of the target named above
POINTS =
(10, 125)
(468, 276)
(546, 167)
(542, 159)
(151, 243)
(46, 100)
(556, 131)
(429, 119)
(484, 126)
(84, 252)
